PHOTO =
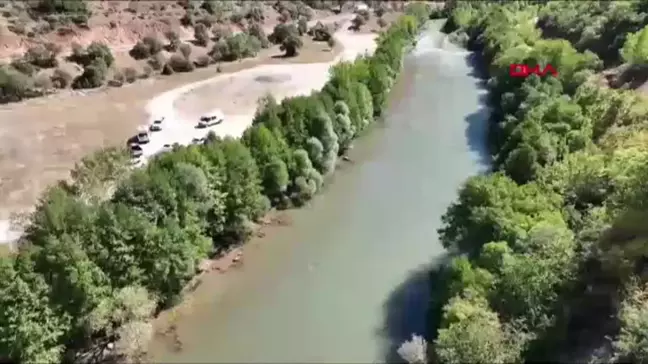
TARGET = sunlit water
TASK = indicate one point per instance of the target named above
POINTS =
(346, 282)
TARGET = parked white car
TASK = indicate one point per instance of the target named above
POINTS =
(157, 124)
(143, 137)
(211, 119)
(136, 150)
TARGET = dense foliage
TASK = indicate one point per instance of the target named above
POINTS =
(552, 244)
(103, 250)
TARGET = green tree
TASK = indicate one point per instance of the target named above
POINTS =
(30, 331)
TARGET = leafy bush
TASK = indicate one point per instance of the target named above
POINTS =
(130, 74)
(200, 35)
(93, 76)
(14, 85)
(281, 32)
(61, 78)
(302, 26)
(185, 50)
(203, 61)
(179, 63)
(291, 45)
(95, 51)
(320, 32)
(357, 22)
(174, 40)
(156, 62)
(146, 47)
(256, 30)
(238, 46)
(43, 56)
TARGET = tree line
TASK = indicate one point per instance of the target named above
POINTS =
(549, 251)
(103, 252)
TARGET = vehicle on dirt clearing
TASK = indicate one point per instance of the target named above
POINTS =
(143, 137)
(198, 141)
(211, 119)
(157, 124)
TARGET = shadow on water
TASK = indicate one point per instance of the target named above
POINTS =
(408, 308)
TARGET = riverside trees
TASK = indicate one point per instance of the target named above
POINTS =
(90, 269)
(554, 241)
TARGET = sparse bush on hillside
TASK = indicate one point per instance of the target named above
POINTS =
(365, 14)
(255, 14)
(174, 40)
(130, 74)
(201, 35)
(220, 32)
(95, 51)
(358, 22)
(147, 72)
(302, 26)
(179, 63)
(382, 22)
(167, 69)
(237, 18)
(187, 20)
(320, 32)
(331, 42)
(75, 11)
(235, 47)
(61, 78)
(24, 67)
(93, 76)
(185, 50)
(14, 85)
(256, 30)
(284, 16)
(281, 32)
(43, 56)
(291, 45)
(156, 62)
(203, 61)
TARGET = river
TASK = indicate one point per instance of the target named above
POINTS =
(346, 282)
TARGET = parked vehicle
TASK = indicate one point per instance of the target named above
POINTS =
(166, 148)
(208, 120)
(136, 150)
(157, 124)
(143, 137)
(198, 141)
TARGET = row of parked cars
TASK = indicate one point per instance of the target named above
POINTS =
(143, 136)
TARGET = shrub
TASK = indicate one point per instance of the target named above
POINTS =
(180, 63)
(320, 32)
(358, 22)
(23, 66)
(187, 20)
(95, 51)
(174, 40)
(382, 22)
(255, 14)
(302, 26)
(14, 85)
(238, 46)
(146, 47)
(201, 35)
(203, 61)
(291, 45)
(147, 71)
(117, 79)
(331, 42)
(93, 76)
(43, 56)
(256, 30)
(61, 78)
(281, 32)
(220, 32)
(185, 50)
(237, 18)
(167, 69)
(130, 74)
(156, 62)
